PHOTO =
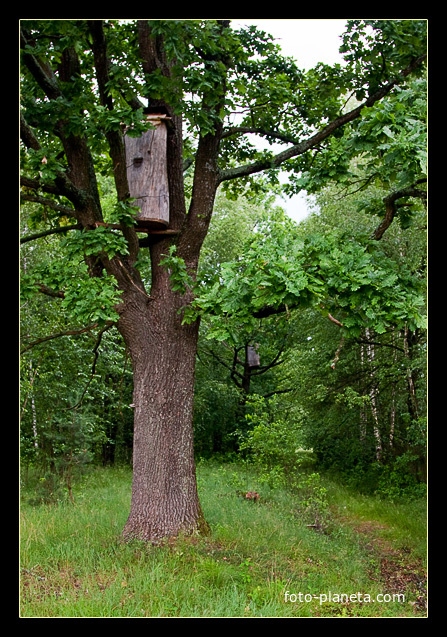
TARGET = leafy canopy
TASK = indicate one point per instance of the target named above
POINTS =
(240, 79)
(281, 269)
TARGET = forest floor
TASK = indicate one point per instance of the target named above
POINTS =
(275, 556)
(396, 568)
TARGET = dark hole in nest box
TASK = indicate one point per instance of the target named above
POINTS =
(147, 173)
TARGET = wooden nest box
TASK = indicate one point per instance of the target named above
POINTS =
(253, 356)
(147, 174)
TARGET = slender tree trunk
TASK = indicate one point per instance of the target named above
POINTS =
(363, 425)
(373, 398)
(33, 405)
(393, 400)
(412, 398)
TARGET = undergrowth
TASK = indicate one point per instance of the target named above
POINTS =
(305, 540)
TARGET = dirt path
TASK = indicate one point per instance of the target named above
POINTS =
(395, 568)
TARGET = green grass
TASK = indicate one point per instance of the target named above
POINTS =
(403, 523)
(74, 564)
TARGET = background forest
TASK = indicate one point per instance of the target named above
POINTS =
(356, 405)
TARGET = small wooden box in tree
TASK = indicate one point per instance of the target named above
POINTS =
(147, 173)
(253, 356)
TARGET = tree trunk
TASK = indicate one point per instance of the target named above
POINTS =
(164, 491)
(373, 397)
(163, 351)
(413, 407)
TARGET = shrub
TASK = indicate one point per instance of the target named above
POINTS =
(398, 480)
(273, 444)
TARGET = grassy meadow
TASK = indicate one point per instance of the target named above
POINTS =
(74, 564)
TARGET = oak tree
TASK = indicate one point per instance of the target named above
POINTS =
(83, 83)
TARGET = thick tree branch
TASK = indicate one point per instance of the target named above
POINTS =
(114, 138)
(79, 184)
(44, 289)
(320, 136)
(205, 184)
(66, 211)
(62, 184)
(334, 320)
(42, 73)
(392, 205)
(264, 368)
(36, 184)
(27, 135)
(46, 233)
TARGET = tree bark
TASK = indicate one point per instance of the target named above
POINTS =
(164, 491)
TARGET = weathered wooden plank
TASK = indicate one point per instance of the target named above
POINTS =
(138, 228)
